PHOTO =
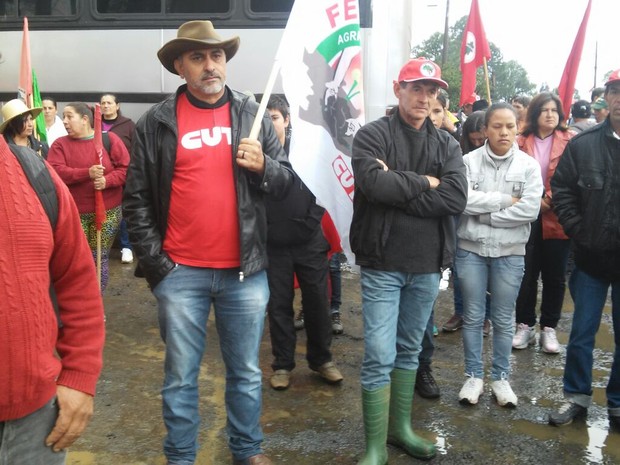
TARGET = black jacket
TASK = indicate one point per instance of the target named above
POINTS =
(586, 198)
(295, 219)
(123, 127)
(379, 193)
(149, 181)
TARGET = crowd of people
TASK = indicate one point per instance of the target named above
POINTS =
(500, 194)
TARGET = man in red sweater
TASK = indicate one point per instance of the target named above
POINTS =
(47, 373)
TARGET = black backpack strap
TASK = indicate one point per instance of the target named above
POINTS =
(41, 181)
(105, 137)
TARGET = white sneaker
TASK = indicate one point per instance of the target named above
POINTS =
(549, 341)
(503, 393)
(471, 390)
(445, 279)
(126, 256)
(525, 336)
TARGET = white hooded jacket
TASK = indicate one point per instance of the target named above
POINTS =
(491, 225)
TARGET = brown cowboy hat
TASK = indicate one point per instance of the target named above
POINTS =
(195, 35)
(14, 108)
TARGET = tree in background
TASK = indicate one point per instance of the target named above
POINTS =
(506, 78)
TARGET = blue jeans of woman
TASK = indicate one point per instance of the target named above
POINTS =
(396, 307)
(22, 441)
(501, 276)
(185, 297)
(589, 295)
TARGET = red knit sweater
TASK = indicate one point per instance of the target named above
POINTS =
(30, 253)
(71, 158)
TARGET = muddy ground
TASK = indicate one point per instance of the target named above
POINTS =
(312, 423)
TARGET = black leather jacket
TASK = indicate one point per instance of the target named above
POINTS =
(586, 198)
(149, 181)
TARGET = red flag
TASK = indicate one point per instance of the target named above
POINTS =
(24, 89)
(474, 49)
(99, 205)
(566, 89)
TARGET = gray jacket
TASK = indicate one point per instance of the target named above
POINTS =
(491, 225)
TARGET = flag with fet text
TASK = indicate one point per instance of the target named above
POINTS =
(321, 68)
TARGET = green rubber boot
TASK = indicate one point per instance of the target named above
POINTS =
(376, 405)
(400, 433)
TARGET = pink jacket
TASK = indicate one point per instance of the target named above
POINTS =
(551, 227)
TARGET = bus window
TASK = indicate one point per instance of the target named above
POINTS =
(154, 6)
(128, 6)
(197, 6)
(38, 8)
(271, 6)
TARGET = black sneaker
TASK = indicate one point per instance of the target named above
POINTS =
(567, 413)
(337, 327)
(614, 423)
(425, 384)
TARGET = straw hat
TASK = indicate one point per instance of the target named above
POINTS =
(14, 108)
(195, 35)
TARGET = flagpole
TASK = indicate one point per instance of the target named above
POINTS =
(263, 103)
(98, 257)
(486, 79)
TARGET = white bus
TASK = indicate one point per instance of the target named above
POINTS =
(83, 48)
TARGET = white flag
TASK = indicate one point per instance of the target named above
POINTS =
(321, 68)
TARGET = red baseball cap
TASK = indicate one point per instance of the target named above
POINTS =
(613, 77)
(421, 69)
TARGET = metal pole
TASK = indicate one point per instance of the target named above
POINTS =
(595, 63)
(444, 52)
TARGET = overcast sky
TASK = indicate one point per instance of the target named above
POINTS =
(539, 34)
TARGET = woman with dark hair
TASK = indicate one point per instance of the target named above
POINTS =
(544, 138)
(472, 136)
(74, 158)
(113, 121)
(18, 126)
(502, 200)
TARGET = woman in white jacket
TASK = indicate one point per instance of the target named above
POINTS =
(503, 199)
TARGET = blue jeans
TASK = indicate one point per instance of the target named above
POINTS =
(123, 236)
(396, 308)
(589, 294)
(427, 346)
(501, 276)
(185, 297)
(22, 441)
(458, 296)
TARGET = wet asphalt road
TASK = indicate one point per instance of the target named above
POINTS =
(315, 424)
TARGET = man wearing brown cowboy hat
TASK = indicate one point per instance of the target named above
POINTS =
(194, 207)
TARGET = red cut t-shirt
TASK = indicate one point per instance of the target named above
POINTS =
(203, 226)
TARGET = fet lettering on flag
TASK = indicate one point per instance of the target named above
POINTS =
(474, 49)
(566, 89)
(321, 69)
